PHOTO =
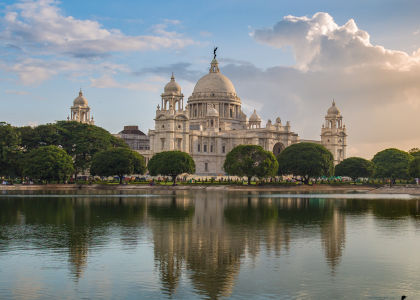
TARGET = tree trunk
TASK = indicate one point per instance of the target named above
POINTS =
(121, 177)
(249, 180)
(174, 179)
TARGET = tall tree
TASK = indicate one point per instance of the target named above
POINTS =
(82, 141)
(414, 168)
(306, 160)
(117, 161)
(9, 149)
(171, 163)
(48, 163)
(391, 164)
(249, 161)
(354, 167)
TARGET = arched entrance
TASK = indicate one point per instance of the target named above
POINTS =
(278, 147)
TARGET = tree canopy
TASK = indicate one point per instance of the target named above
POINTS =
(414, 152)
(117, 161)
(171, 163)
(306, 160)
(392, 164)
(414, 167)
(354, 167)
(80, 141)
(48, 163)
(9, 150)
(249, 161)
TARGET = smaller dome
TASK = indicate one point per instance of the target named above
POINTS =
(212, 112)
(333, 110)
(80, 100)
(172, 87)
(254, 117)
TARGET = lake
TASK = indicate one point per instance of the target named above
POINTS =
(209, 244)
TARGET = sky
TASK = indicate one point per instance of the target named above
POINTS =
(286, 58)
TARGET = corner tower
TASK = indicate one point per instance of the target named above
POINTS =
(333, 134)
(80, 111)
(171, 121)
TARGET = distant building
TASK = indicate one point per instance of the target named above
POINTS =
(134, 138)
(80, 111)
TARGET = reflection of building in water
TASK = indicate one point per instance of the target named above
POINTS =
(198, 241)
(333, 235)
(210, 243)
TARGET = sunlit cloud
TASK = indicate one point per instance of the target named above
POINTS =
(377, 89)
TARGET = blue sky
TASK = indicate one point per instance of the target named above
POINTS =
(121, 53)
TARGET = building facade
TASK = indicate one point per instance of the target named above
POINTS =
(134, 138)
(212, 123)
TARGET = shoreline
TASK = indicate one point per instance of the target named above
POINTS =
(407, 189)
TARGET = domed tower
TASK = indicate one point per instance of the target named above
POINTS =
(171, 121)
(333, 134)
(172, 98)
(80, 111)
(217, 91)
(254, 120)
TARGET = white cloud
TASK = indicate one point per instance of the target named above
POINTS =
(377, 89)
(107, 81)
(319, 43)
(40, 25)
(34, 71)
(47, 43)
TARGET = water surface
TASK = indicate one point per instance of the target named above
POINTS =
(209, 245)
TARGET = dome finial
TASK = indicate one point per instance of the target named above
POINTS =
(333, 103)
(214, 52)
(172, 77)
(80, 92)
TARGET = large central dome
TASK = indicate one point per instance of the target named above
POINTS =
(214, 82)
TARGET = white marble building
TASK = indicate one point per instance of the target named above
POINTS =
(212, 123)
(80, 111)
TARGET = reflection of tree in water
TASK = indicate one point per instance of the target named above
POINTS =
(272, 221)
(74, 224)
(202, 236)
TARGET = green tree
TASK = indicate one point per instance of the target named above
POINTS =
(48, 163)
(414, 168)
(306, 160)
(391, 164)
(9, 150)
(117, 161)
(171, 163)
(354, 167)
(414, 152)
(83, 141)
(44, 135)
(249, 161)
